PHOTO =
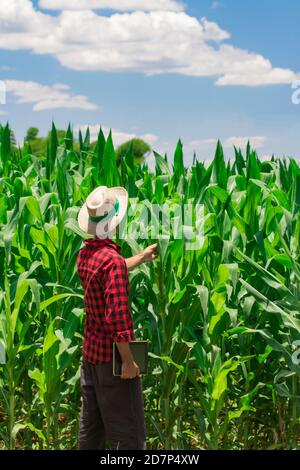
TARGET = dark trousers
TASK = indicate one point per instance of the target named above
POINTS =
(112, 410)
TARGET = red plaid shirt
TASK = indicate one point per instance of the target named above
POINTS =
(104, 277)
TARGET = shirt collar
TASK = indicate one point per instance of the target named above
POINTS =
(101, 243)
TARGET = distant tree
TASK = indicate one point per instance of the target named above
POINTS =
(140, 149)
(35, 144)
(38, 145)
(61, 134)
(31, 134)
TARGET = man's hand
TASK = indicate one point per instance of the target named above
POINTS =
(129, 370)
(150, 253)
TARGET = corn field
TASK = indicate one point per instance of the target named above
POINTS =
(222, 321)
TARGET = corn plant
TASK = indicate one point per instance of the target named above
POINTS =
(222, 319)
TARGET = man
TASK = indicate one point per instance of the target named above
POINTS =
(112, 407)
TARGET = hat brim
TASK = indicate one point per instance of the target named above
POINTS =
(107, 228)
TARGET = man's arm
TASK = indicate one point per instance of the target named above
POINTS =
(149, 254)
(118, 314)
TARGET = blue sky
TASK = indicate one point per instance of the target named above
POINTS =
(160, 70)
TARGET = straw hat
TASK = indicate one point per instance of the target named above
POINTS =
(103, 211)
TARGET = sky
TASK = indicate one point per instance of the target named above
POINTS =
(156, 69)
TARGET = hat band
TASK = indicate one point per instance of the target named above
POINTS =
(102, 218)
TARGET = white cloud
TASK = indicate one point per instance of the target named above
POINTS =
(120, 5)
(202, 143)
(215, 5)
(46, 96)
(250, 69)
(119, 137)
(152, 42)
(151, 139)
(256, 141)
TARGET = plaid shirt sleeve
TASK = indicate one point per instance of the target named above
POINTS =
(116, 296)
